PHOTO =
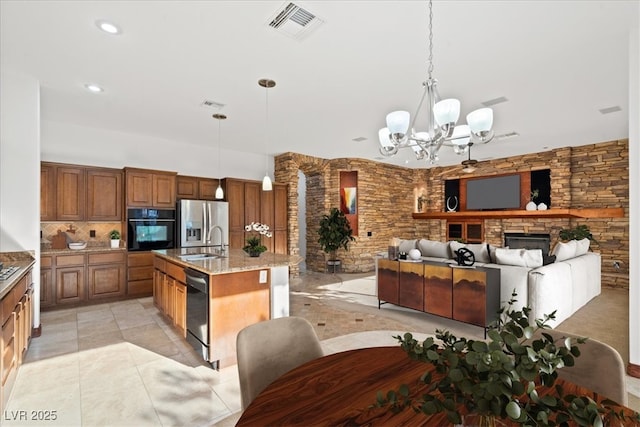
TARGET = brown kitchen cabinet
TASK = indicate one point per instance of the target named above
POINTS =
(140, 274)
(79, 193)
(234, 194)
(70, 279)
(47, 192)
(273, 212)
(47, 289)
(16, 320)
(106, 275)
(196, 188)
(170, 292)
(104, 194)
(150, 189)
(70, 193)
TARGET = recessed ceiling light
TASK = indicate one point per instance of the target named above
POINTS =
(93, 88)
(108, 27)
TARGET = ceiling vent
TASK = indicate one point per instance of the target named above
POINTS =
(610, 110)
(212, 104)
(294, 21)
(494, 101)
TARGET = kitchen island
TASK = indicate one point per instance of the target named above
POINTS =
(239, 290)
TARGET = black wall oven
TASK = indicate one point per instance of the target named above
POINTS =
(149, 229)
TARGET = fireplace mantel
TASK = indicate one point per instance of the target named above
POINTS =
(520, 213)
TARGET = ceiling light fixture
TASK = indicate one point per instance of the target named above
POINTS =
(220, 118)
(442, 116)
(93, 88)
(266, 181)
(108, 27)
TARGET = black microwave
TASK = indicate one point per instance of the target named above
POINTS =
(149, 229)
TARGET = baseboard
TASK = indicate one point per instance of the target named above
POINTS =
(633, 370)
(36, 332)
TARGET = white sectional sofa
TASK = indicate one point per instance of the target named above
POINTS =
(563, 286)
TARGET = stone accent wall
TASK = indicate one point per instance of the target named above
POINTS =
(590, 176)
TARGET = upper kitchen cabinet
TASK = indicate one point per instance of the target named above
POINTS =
(150, 188)
(104, 194)
(47, 192)
(70, 193)
(79, 193)
(196, 188)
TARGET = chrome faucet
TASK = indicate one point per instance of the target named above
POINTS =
(210, 232)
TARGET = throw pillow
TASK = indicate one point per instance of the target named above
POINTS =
(492, 253)
(453, 248)
(564, 251)
(519, 257)
(548, 259)
(406, 245)
(433, 248)
(582, 246)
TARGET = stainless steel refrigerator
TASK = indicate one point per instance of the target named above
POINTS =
(202, 223)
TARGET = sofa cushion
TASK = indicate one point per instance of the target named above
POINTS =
(521, 257)
(564, 251)
(480, 250)
(406, 245)
(433, 248)
(582, 246)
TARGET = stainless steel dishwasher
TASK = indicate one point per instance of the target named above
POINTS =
(198, 311)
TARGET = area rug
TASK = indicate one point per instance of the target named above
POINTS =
(363, 286)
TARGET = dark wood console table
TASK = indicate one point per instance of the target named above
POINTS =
(470, 295)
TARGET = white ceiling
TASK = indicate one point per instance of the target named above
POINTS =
(557, 62)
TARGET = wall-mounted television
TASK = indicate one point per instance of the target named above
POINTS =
(500, 192)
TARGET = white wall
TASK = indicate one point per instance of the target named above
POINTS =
(20, 170)
(634, 197)
(71, 143)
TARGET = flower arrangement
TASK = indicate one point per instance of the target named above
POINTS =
(503, 378)
(254, 246)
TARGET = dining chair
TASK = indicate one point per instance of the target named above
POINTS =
(599, 367)
(268, 349)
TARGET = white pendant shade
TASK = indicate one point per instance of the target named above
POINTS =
(266, 183)
(383, 136)
(219, 192)
(480, 120)
(461, 135)
(446, 111)
(398, 122)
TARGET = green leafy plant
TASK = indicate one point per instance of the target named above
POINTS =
(114, 235)
(254, 244)
(335, 232)
(534, 194)
(578, 233)
(507, 377)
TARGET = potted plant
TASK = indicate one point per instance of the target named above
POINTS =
(490, 378)
(578, 233)
(335, 233)
(254, 246)
(114, 235)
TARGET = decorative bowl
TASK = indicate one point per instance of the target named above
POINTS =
(77, 245)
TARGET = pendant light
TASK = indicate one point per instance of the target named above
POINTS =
(219, 117)
(266, 181)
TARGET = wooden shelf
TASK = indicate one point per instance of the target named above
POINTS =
(550, 213)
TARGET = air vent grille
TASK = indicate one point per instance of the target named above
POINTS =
(212, 104)
(294, 21)
(610, 110)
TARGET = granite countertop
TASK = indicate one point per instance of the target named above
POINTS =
(24, 260)
(236, 260)
(67, 251)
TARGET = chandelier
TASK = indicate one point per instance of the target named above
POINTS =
(442, 116)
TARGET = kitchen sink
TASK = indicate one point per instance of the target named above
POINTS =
(197, 257)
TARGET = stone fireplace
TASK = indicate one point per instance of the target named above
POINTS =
(528, 241)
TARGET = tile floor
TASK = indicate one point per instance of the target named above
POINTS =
(122, 364)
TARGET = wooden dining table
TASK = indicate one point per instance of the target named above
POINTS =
(340, 390)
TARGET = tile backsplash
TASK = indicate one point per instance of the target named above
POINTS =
(81, 231)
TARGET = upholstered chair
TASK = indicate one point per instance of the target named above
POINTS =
(599, 367)
(268, 349)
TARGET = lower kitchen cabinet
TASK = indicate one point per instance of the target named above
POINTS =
(16, 319)
(76, 279)
(140, 274)
(170, 292)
